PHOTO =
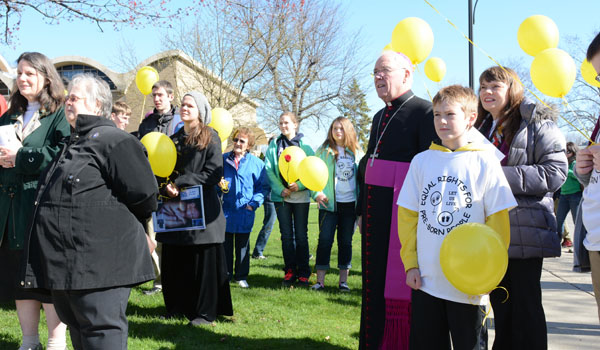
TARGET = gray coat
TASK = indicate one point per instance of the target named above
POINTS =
(535, 169)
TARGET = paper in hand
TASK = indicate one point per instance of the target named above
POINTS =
(8, 137)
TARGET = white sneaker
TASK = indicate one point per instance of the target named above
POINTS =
(243, 284)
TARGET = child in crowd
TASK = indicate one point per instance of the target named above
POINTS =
(292, 201)
(337, 201)
(457, 180)
(120, 114)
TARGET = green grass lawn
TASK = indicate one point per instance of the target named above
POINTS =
(266, 316)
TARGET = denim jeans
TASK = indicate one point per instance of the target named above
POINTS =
(343, 220)
(566, 203)
(242, 255)
(265, 231)
(293, 225)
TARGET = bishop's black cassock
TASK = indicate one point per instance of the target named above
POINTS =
(398, 132)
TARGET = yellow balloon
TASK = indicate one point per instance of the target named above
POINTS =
(536, 34)
(222, 122)
(388, 47)
(223, 146)
(313, 173)
(162, 154)
(289, 160)
(553, 72)
(589, 73)
(145, 78)
(435, 69)
(413, 37)
(474, 258)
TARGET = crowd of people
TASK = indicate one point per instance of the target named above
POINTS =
(77, 194)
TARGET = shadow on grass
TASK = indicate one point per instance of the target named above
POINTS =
(8, 306)
(186, 337)
(134, 309)
(7, 343)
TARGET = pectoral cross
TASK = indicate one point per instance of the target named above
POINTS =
(373, 156)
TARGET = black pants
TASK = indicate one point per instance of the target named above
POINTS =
(434, 320)
(520, 322)
(96, 318)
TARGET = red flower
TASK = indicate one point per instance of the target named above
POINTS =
(288, 157)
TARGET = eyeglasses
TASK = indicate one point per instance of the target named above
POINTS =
(242, 141)
(74, 98)
(383, 71)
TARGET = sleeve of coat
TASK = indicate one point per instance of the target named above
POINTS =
(131, 177)
(272, 169)
(407, 232)
(258, 177)
(33, 160)
(549, 170)
(209, 173)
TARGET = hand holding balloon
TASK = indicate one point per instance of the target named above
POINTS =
(172, 190)
(585, 161)
(293, 187)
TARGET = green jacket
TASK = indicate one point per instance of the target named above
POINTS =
(18, 185)
(327, 155)
(272, 170)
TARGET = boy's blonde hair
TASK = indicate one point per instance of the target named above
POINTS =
(461, 95)
(121, 107)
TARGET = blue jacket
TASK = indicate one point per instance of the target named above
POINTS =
(246, 187)
(327, 155)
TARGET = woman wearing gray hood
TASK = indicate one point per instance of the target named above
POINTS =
(195, 282)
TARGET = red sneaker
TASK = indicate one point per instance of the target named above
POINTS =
(567, 243)
(289, 278)
(303, 281)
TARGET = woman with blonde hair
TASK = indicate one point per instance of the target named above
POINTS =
(337, 201)
(292, 202)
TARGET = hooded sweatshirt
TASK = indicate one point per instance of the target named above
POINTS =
(442, 190)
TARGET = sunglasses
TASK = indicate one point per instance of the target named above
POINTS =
(235, 140)
(598, 78)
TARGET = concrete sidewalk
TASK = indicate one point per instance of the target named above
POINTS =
(569, 304)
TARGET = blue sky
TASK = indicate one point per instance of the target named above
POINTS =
(495, 30)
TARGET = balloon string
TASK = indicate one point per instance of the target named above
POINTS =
(568, 106)
(499, 65)
(142, 112)
(486, 311)
(424, 83)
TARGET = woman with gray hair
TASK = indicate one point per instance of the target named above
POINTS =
(194, 268)
(87, 244)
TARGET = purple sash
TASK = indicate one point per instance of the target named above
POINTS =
(397, 294)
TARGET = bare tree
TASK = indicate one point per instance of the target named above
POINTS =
(116, 13)
(288, 55)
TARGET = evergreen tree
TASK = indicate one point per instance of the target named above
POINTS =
(353, 105)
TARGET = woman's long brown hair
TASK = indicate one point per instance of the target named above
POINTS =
(350, 139)
(511, 114)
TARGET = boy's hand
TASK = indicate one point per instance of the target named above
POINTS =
(585, 161)
(413, 278)
(595, 151)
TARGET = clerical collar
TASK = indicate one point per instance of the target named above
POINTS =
(400, 100)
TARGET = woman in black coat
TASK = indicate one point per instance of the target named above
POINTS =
(87, 244)
(194, 268)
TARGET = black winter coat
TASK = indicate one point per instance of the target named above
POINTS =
(159, 122)
(199, 167)
(86, 232)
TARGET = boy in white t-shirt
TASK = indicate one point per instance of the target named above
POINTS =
(456, 181)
